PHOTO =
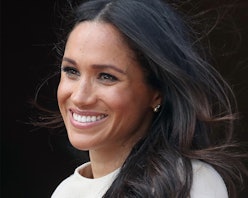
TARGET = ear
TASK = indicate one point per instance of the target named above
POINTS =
(156, 99)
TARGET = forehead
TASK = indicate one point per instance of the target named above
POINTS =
(100, 43)
(99, 33)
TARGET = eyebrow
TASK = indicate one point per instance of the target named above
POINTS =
(97, 66)
(69, 60)
(104, 66)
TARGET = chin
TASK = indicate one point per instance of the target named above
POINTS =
(82, 143)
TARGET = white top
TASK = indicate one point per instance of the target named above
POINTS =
(207, 183)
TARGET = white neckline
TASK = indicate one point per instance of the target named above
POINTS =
(94, 180)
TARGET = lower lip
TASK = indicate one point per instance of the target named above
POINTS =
(85, 125)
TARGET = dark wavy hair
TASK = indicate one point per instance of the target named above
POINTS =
(198, 106)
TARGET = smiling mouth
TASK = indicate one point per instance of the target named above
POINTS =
(88, 119)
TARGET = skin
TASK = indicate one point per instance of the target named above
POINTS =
(102, 80)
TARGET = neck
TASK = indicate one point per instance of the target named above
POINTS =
(106, 161)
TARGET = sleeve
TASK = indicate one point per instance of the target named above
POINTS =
(207, 183)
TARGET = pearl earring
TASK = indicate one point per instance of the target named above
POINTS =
(156, 109)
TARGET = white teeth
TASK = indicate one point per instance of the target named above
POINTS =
(87, 119)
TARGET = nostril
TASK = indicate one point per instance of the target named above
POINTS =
(83, 95)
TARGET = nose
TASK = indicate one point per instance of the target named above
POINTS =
(83, 93)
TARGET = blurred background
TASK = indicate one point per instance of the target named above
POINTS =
(34, 161)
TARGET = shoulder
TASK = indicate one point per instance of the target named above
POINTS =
(77, 185)
(207, 182)
(64, 188)
(70, 184)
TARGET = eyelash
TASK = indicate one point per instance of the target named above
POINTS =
(107, 77)
(72, 72)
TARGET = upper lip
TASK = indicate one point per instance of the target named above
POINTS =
(86, 112)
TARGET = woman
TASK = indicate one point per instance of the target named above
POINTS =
(135, 93)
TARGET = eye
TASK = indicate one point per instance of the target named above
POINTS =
(107, 77)
(70, 71)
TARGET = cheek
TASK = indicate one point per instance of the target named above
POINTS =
(112, 97)
(120, 99)
(62, 93)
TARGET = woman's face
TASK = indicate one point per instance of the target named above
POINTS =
(102, 95)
